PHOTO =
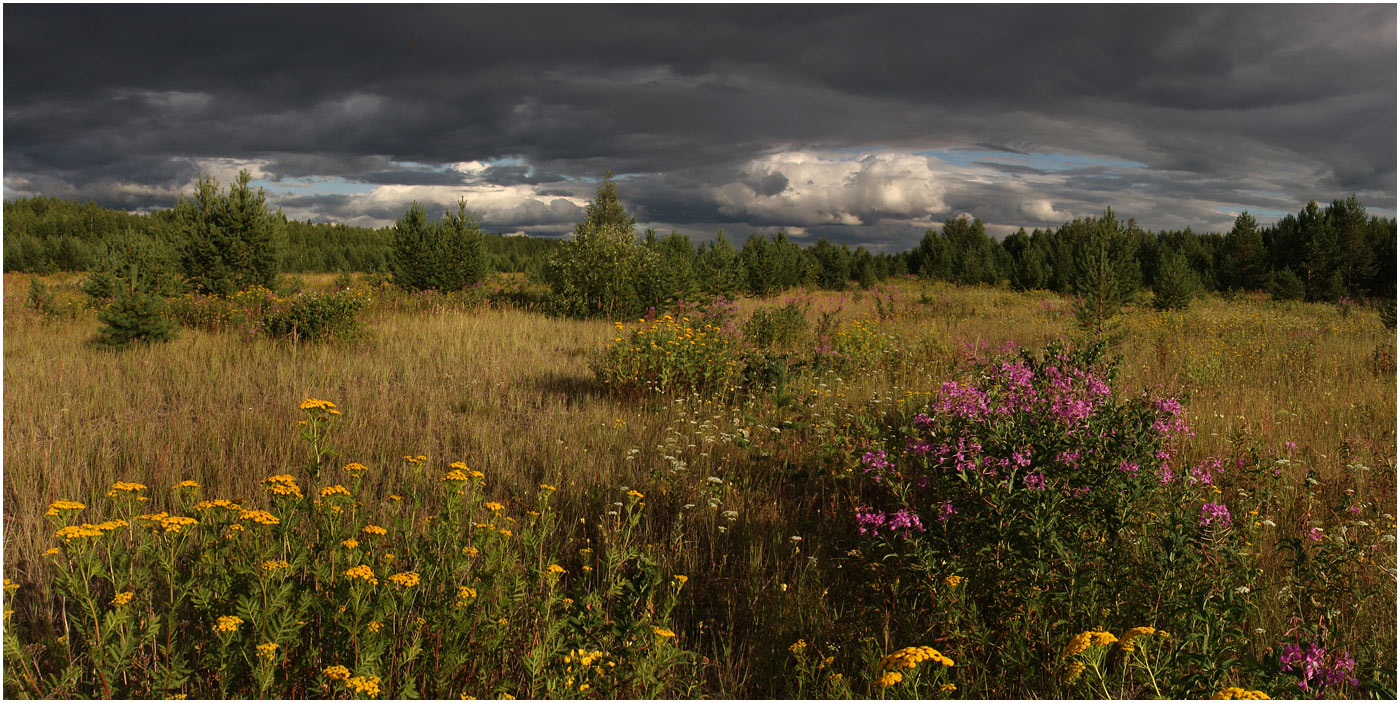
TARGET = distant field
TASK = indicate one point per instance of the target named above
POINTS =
(512, 393)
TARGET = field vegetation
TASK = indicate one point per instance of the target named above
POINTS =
(750, 498)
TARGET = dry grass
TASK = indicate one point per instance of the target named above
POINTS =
(510, 392)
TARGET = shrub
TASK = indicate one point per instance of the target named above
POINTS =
(852, 346)
(40, 299)
(318, 590)
(445, 256)
(666, 356)
(134, 317)
(777, 327)
(1063, 504)
(317, 316)
(243, 310)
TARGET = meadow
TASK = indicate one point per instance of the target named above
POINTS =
(773, 509)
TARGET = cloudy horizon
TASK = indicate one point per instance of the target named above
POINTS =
(865, 125)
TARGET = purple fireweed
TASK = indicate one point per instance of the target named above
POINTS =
(945, 511)
(1034, 482)
(1316, 668)
(1214, 513)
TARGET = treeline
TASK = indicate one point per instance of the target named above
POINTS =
(1320, 254)
(45, 235)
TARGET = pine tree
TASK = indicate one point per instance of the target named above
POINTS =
(1176, 282)
(134, 317)
(230, 242)
(1105, 276)
(719, 269)
(1244, 260)
(597, 272)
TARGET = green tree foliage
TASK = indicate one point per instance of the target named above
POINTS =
(1283, 284)
(1175, 284)
(1105, 275)
(135, 260)
(760, 260)
(675, 267)
(599, 272)
(445, 256)
(134, 317)
(228, 241)
(833, 264)
(718, 268)
(1243, 261)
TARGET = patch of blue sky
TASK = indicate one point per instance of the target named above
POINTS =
(313, 185)
(1046, 162)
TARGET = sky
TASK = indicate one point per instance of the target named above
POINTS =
(862, 124)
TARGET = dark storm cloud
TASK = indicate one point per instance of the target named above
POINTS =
(1223, 107)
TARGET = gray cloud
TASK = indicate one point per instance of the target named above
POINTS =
(519, 109)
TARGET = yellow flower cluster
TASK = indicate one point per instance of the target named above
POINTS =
(267, 650)
(454, 475)
(336, 673)
(58, 505)
(228, 623)
(11, 586)
(797, 646)
(124, 486)
(547, 487)
(1130, 635)
(262, 517)
(323, 405)
(953, 581)
(219, 503)
(282, 485)
(355, 468)
(1084, 640)
(635, 494)
(1075, 669)
(374, 530)
(470, 551)
(465, 594)
(554, 569)
(275, 564)
(374, 625)
(72, 532)
(583, 657)
(681, 579)
(407, 579)
(662, 632)
(175, 523)
(494, 506)
(1239, 694)
(368, 685)
(910, 657)
(889, 678)
(336, 490)
(350, 543)
(415, 459)
(123, 598)
(362, 572)
(186, 484)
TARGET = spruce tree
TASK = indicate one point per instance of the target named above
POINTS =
(1175, 284)
(229, 241)
(1105, 275)
(134, 317)
(719, 269)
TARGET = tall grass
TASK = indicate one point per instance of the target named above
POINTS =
(747, 495)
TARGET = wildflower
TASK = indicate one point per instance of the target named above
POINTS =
(889, 678)
(175, 523)
(267, 650)
(336, 673)
(1075, 669)
(407, 579)
(72, 532)
(314, 404)
(635, 494)
(336, 490)
(219, 503)
(350, 543)
(127, 487)
(388, 556)
(228, 623)
(112, 525)
(362, 572)
(910, 657)
(395, 497)
(554, 569)
(58, 505)
(494, 507)
(547, 487)
(186, 484)
(470, 551)
(374, 625)
(945, 688)
(797, 646)
(1315, 534)
(465, 594)
(373, 530)
(52, 552)
(1130, 635)
(119, 599)
(681, 579)
(261, 517)
(454, 475)
(505, 533)
(273, 565)
(368, 685)
(1239, 694)
(1214, 513)
(664, 633)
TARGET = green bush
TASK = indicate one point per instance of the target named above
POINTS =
(134, 317)
(41, 299)
(603, 271)
(1175, 284)
(1285, 285)
(782, 327)
(316, 317)
(667, 356)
